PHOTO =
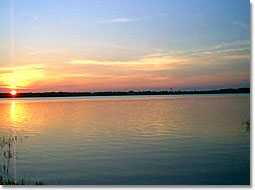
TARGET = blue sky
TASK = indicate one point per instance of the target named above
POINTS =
(53, 33)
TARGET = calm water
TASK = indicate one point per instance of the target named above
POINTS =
(128, 140)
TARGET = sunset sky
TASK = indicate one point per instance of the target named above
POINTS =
(102, 45)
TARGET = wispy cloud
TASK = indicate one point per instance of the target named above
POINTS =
(34, 18)
(126, 19)
(240, 46)
(224, 64)
(117, 20)
(241, 24)
(32, 53)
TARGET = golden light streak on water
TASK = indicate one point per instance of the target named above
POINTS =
(13, 116)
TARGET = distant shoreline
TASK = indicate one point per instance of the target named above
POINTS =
(123, 93)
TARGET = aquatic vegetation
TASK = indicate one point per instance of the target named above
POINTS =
(7, 153)
(11, 182)
(246, 125)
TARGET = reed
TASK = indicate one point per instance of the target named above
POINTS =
(7, 153)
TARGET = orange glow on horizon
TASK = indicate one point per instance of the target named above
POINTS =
(151, 71)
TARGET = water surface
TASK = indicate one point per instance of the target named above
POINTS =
(192, 139)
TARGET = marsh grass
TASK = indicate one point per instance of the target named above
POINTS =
(22, 182)
(246, 125)
(7, 153)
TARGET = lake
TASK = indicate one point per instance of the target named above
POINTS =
(138, 140)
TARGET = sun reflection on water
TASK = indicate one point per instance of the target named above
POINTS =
(13, 117)
(13, 109)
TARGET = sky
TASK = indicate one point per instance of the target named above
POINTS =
(119, 45)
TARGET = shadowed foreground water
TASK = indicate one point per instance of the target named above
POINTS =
(196, 139)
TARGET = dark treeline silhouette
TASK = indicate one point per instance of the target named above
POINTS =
(122, 93)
